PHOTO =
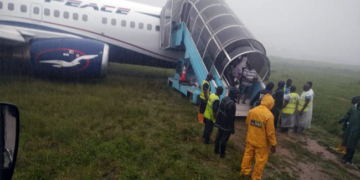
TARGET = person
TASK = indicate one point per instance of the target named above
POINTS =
(204, 96)
(225, 121)
(211, 113)
(311, 90)
(279, 98)
(260, 136)
(288, 110)
(231, 75)
(268, 90)
(305, 110)
(249, 76)
(345, 122)
(352, 134)
(237, 73)
(287, 86)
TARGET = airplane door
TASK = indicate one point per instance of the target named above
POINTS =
(36, 12)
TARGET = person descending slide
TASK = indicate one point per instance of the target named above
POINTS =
(260, 138)
(248, 78)
(204, 96)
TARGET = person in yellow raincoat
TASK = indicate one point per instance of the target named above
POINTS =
(260, 136)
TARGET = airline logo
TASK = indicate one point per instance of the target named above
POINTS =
(75, 62)
(94, 6)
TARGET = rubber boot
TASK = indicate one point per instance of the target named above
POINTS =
(340, 149)
(201, 118)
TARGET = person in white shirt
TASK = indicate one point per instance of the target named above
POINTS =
(248, 78)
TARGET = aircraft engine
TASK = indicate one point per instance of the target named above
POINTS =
(64, 57)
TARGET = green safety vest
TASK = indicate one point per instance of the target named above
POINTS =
(291, 106)
(202, 94)
(302, 102)
(208, 114)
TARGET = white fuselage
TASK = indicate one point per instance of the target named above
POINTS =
(129, 25)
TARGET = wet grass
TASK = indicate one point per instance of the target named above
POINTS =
(334, 86)
(132, 126)
(127, 126)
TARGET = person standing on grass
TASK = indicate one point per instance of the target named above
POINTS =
(225, 121)
(352, 134)
(211, 113)
(260, 138)
(345, 122)
(311, 90)
(305, 110)
(287, 86)
(288, 110)
(204, 96)
(248, 78)
(279, 98)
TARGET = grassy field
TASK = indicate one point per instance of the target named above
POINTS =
(334, 86)
(132, 126)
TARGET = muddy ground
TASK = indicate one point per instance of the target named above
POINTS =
(299, 157)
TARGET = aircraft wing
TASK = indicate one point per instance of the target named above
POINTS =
(11, 34)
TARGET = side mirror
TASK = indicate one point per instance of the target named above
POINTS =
(9, 139)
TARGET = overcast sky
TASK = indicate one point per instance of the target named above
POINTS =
(324, 30)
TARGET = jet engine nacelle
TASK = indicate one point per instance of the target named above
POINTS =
(65, 57)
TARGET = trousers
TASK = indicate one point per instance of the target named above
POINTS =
(349, 154)
(261, 155)
(222, 138)
(208, 129)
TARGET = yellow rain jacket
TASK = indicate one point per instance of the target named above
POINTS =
(260, 135)
(260, 121)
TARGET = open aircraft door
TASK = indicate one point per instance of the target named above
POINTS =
(36, 12)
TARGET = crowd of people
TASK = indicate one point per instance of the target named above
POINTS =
(284, 107)
(282, 110)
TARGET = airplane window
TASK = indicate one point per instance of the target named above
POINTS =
(47, 12)
(23, 8)
(66, 15)
(0, 5)
(36, 10)
(123, 23)
(11, 6)
(132, 24)
(75, 16)
(157, 28)
(149, 27)
(141, 25)
(84, 17)
(104, 20)
(56, 13)
(113, 22)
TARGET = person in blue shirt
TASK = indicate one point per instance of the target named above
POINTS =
(287, 86)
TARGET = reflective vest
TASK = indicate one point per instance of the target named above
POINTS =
(202, 95)
(302, 101)
(208, 114)
(291, 106)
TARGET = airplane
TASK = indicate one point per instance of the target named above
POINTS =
(122, 31)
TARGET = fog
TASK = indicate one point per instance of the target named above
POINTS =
(321, 30)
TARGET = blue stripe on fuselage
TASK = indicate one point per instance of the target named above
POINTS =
(38, 27)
